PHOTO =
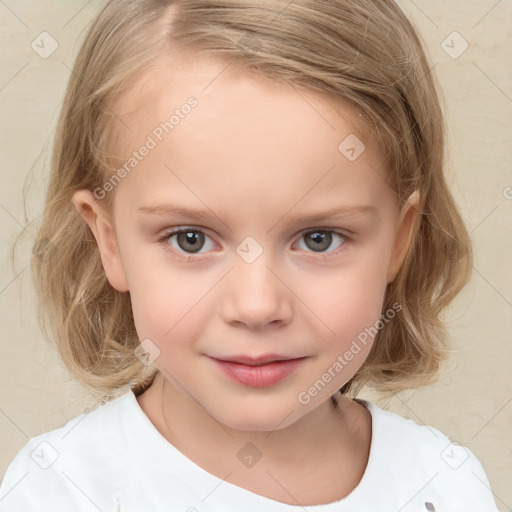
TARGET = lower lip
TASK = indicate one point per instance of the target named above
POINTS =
(258, 376)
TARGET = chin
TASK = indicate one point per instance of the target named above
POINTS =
(261, 418)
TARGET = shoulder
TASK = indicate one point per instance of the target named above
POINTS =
(67, 465)
(424, 459)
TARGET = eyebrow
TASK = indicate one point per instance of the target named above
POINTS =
(171, 209)
(163, 209)
(340, 211)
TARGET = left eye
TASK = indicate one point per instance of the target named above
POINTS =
(320, 241)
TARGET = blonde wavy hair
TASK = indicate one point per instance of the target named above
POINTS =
(362, 52)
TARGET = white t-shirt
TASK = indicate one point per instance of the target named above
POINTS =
(113, 459)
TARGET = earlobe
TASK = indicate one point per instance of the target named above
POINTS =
(404, 234)
(101, 226)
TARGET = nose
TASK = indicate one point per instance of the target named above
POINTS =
(255, 296)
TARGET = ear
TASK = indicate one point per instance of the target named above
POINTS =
(403, 234)
(102, 227)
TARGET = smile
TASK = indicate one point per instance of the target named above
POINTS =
(252, 373)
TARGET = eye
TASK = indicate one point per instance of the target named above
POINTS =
(322, 241)
(186, 240)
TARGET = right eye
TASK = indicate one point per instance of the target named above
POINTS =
(186, 240)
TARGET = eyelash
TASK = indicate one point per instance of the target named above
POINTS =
(187, 257)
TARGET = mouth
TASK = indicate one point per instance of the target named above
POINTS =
(261, 371)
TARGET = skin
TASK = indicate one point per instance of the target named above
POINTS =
(261, 158)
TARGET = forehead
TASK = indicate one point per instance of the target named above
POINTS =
(226, 93)
(244, 132)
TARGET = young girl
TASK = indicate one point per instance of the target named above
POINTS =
(247, 221)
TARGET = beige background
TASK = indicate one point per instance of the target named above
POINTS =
(471, 403)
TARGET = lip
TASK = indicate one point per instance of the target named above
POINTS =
(260, 371)
(255, 360)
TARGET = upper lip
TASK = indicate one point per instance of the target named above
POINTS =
(255, 360)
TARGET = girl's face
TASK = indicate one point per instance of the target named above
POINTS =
(290, 236)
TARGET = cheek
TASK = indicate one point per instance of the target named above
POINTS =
(347, 299)
(160, 294)
(170, 309)
(163, 306)
(351, 309)
(349, 304)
